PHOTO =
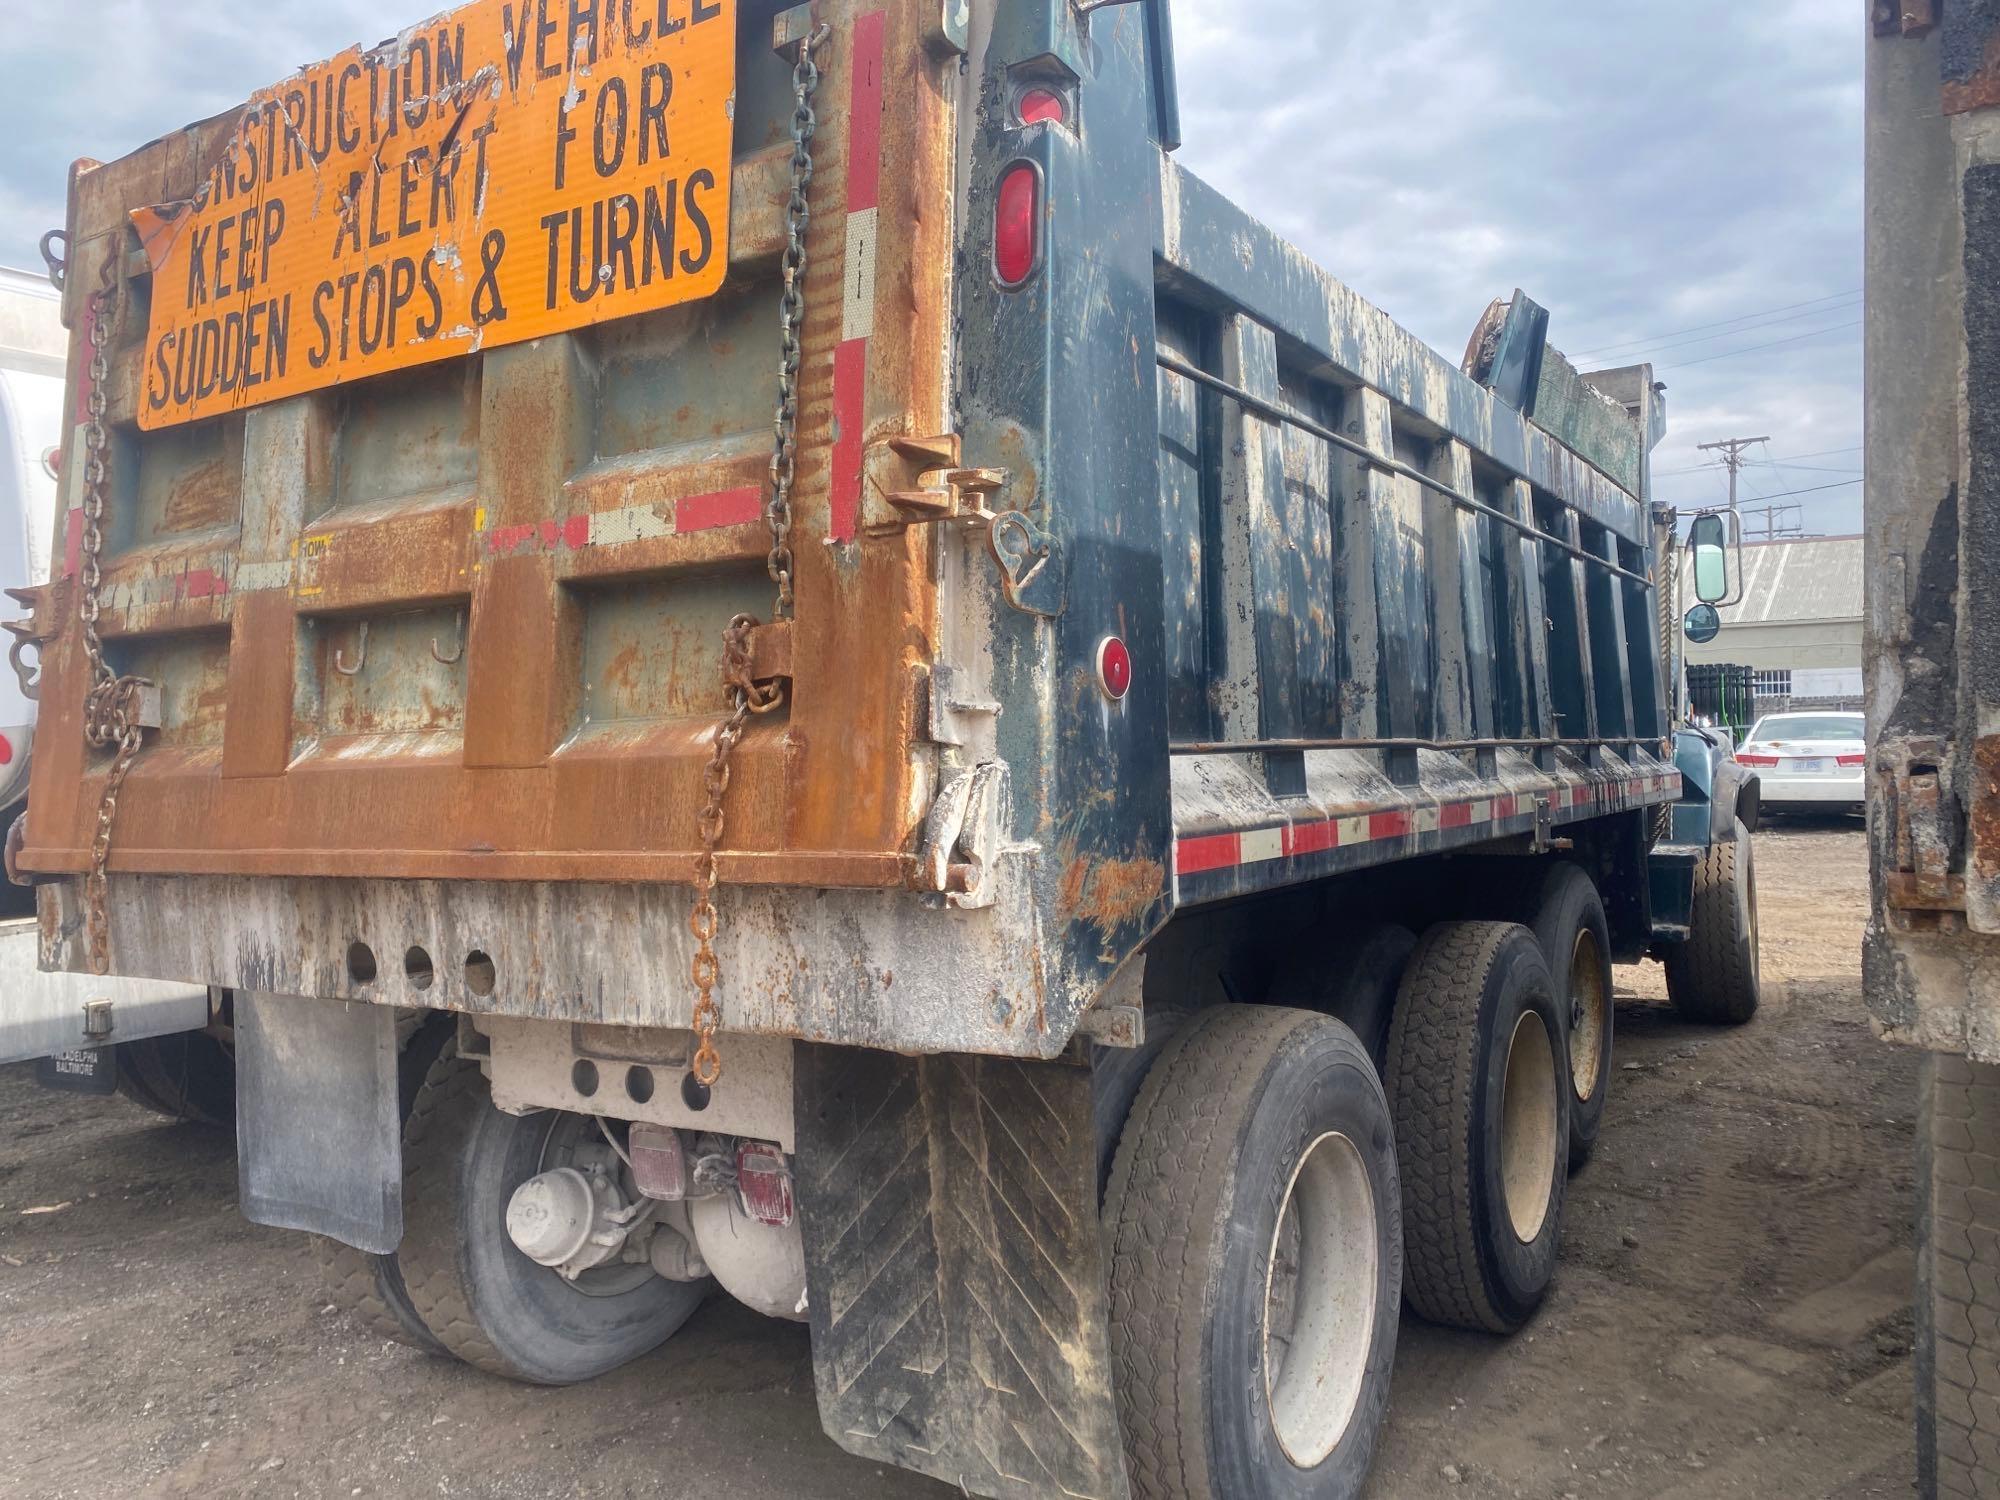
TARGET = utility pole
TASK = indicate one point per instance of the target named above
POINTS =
(1774, 528)
(1731, 450)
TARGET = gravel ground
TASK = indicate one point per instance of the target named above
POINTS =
(1731, 1316)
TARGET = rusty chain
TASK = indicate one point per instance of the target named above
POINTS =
(791, 321)
(748, 696)
(112, 714)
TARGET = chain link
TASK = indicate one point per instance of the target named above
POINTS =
(791, 322)
(747, 695)
(112, 707)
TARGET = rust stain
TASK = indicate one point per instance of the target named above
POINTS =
(622, 671)
(1983, 823)
(1111, 893)
(200, 496)
(1961, 95)
(1076, 874)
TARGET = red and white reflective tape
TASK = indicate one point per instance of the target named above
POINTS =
(1196, 853)
(627, 523)
(857, 301)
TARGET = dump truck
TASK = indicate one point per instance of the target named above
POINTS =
(1931, 956)
(768, 652)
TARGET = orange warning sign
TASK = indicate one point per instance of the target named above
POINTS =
(509, 169)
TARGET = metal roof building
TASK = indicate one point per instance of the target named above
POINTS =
(1798, 623)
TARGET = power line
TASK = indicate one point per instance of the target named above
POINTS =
(1723, 323)
(1782, 463)
(1821, 453)
(1809, 490)
(1772, 463)
(1754, 348)
(1648, 350)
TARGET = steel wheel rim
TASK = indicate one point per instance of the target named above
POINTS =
(1528, 1127)
(1589, 1009)
(1319, 1300)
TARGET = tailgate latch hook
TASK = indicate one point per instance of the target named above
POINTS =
(1030, 562)
(45, 605)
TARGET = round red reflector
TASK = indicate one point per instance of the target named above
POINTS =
(1037, 105)
(1014, 227)
(1114, 667)
(6, 751)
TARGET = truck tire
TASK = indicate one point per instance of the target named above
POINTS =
(188, 1076)
(1116, 1074)
(369, 1287)
(1567, 918)
(1478, 1085)
(1253, 1227)
(1716, 976)
(479, 1296)
(1353, 976)
(1958, 1277)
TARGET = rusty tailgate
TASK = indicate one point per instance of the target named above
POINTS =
(464, 620)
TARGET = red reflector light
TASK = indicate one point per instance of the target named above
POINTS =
(1114, 667)
(1037, 105)
(1850, 760)
(6, 751)
(1016, 224)
(1755, 760)
(659, 1165)
(764, 1183)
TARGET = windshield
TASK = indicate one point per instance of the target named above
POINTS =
(1810, 727)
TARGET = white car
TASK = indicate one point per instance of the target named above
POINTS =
(1803, 761)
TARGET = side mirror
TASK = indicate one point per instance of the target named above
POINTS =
(1703, 624)
(1709, 542)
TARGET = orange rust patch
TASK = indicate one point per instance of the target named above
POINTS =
(1112, 892)
(205, 495)
(1076, 875)
(1983, 822)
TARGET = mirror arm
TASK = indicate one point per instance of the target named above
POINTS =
(1736, 537)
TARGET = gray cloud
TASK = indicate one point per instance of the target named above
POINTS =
(1639, 169)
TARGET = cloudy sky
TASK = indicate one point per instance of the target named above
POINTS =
(1677, 182)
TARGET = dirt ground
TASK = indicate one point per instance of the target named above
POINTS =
(1731, 1316)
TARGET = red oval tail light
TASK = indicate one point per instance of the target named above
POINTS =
(1017, 224)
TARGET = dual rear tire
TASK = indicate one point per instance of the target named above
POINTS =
(1275, 1198)
(1478, 1086)
(457, 1285)
(1566, 915)
(1254, 1237)
(477, 1294)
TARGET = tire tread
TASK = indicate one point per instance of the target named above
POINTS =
(1712, 977)
(352, 1283)
(1162, 1218)
(1431, 1078)
(446, 1108)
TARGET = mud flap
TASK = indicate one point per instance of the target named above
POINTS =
(957, 1296)
(319, 1139)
